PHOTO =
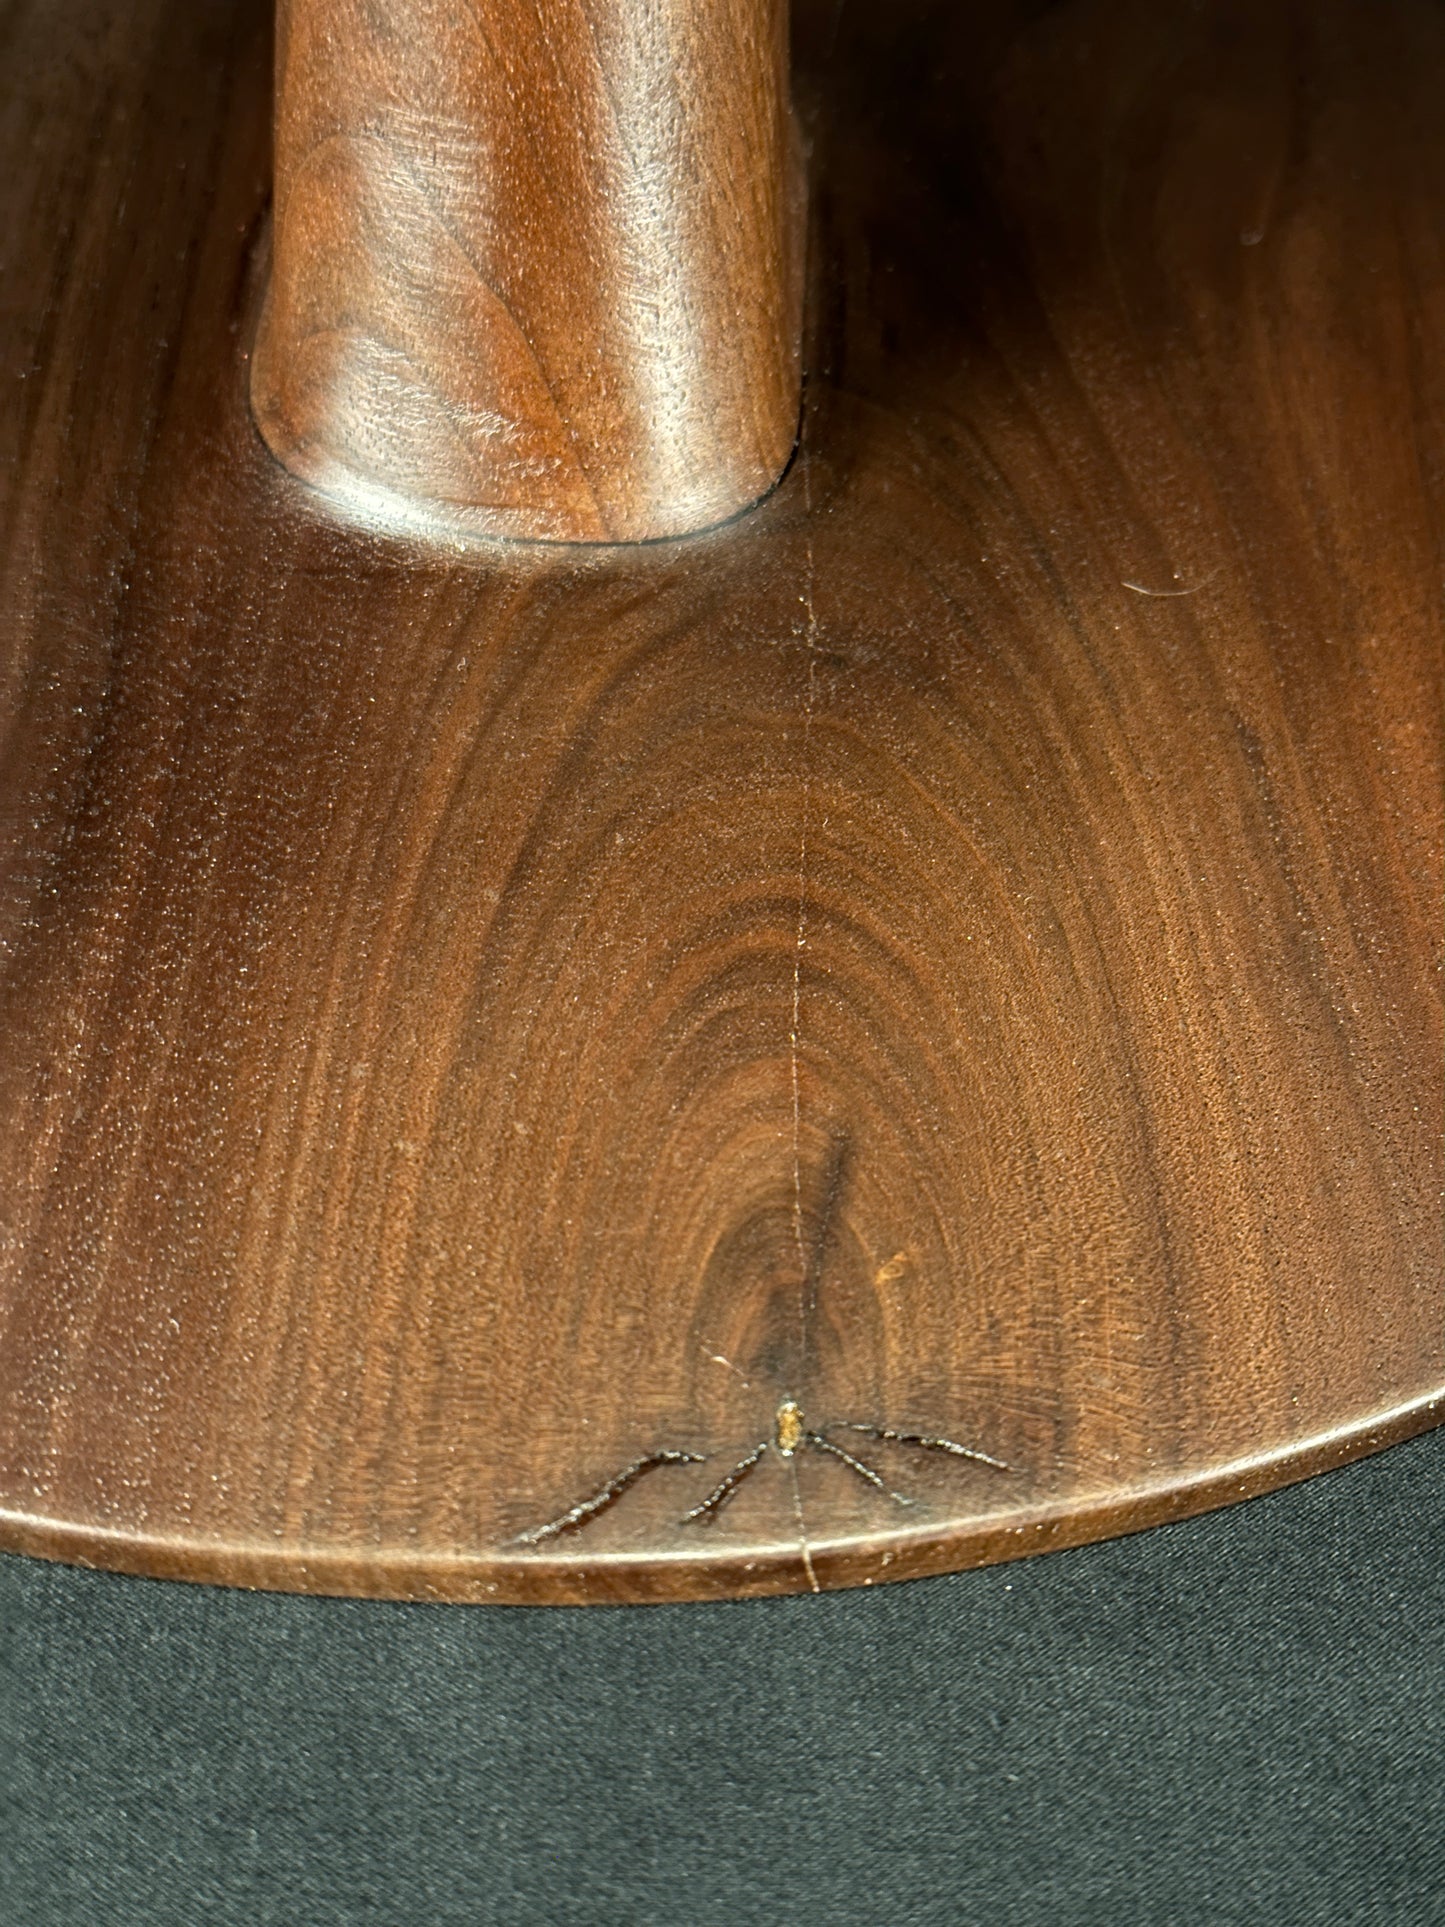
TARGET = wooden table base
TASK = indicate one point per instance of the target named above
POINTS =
(492, 1030)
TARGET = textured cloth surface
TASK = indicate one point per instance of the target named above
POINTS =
(1239, 1718)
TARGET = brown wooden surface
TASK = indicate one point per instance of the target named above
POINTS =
(537, 263)
(956, 949)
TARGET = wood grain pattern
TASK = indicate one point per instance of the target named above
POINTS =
(537, 264)
(956, 950)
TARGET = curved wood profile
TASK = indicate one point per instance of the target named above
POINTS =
(498, 1046)
(536, 262)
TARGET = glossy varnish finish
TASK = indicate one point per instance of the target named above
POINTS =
(537, 263)
(953, 952)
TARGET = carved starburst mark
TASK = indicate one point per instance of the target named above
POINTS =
(791, 1435)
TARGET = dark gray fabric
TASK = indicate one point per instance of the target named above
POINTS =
(1235, 1719)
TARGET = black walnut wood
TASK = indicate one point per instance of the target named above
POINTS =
(537, 263)
(953, 953)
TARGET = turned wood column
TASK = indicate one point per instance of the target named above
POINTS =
(536, 266)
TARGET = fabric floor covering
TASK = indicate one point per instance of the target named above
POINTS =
(1238, 1718)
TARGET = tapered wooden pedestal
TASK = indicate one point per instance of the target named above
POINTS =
(955, 950)
(536, 265)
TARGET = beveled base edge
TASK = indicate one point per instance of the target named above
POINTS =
(529, 1579)
(360, 502)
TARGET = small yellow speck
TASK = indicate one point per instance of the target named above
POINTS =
(789, 1427)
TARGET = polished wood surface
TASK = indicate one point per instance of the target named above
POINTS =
(498, 1045)
(537, 263)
